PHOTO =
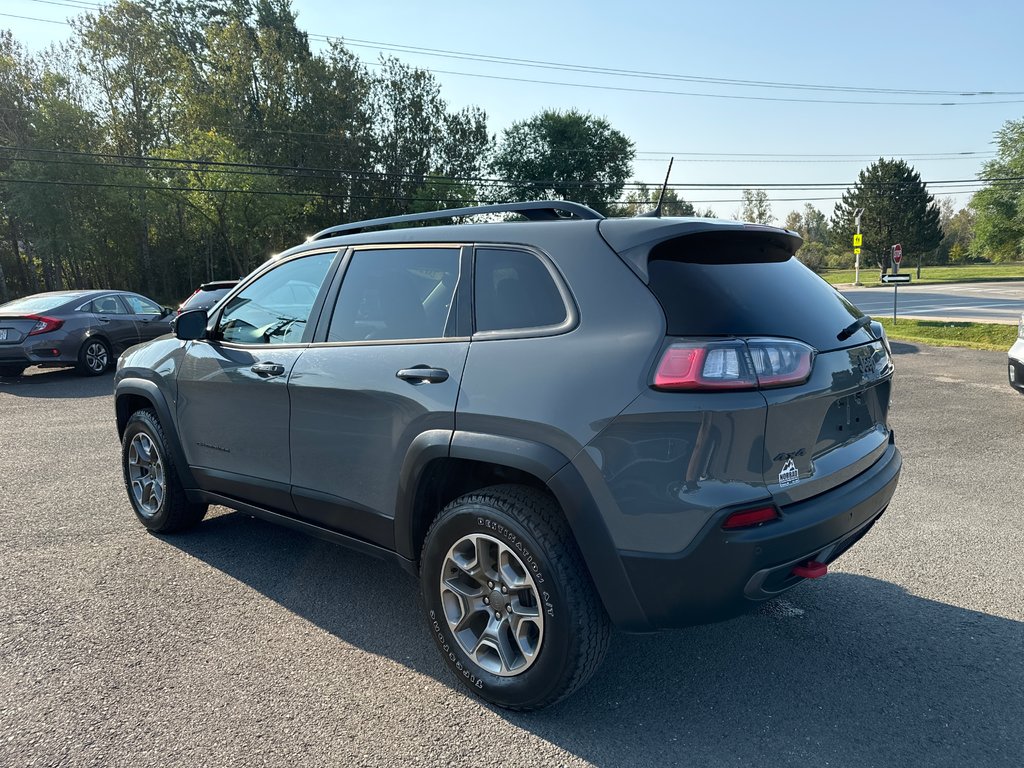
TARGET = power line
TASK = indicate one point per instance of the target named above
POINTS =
(592, 69)
(34, 18)
(694, 94)
(688, 78)
(613, 71)
(298, 170)
(281, 193)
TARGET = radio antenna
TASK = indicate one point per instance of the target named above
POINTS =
(656, 213)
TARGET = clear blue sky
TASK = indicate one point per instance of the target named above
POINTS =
(933, 46)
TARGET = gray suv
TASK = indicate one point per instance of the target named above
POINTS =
(558, 425)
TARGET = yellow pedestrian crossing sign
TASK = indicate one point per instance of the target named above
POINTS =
(858, 240)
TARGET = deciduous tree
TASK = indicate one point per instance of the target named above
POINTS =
(569, 155)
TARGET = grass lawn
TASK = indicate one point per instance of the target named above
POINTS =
(946, 334)
(969, 273)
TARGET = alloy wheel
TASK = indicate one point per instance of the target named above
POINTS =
(96, 357)
(492, 605)
(146, 474)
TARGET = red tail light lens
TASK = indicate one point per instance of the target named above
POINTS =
(705, 365)
(43, 324)
(734, 364)
(746, 518)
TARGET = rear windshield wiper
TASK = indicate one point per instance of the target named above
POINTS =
(853, 327)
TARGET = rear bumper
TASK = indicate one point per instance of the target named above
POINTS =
(38, 353)
(722, 574)
(1015, 365)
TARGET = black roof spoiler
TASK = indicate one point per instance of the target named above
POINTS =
(633, 238)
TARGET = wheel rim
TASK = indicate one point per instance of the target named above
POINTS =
(96, 357)
(146, 474)
(492, 605)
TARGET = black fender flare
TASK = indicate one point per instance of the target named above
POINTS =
(562, 478)
(149, 391)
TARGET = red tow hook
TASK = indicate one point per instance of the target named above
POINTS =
(812, 569)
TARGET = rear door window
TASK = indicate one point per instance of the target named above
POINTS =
(514, 290)
(108, 305)
(396, 294)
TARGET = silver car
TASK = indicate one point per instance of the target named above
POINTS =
(87, 329)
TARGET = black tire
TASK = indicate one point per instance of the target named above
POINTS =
(94, 357)
(161, 510)
(574, 636)
(10, 371)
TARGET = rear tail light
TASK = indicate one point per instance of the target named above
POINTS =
(43, 324)
(780, 362)
(734, 364)
(747, 518)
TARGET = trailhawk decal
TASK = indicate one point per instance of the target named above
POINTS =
(789, 474)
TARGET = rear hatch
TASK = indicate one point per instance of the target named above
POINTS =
(744, 290)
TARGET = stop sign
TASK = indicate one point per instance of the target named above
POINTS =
(897, 253)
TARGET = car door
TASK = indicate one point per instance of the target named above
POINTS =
(112, 320)
(385, 367)
(150, 318)
(232, 406)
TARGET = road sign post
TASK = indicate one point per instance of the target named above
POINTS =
(897, 257)
(858, 241)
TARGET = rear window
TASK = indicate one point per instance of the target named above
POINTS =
(742, 286)
(204, 298)
(33, 304)
(515, 291)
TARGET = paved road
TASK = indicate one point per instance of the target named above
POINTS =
(980, 302)
(243, 644)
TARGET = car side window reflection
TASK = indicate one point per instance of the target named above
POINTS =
(275, 308)
(396, 294)
(141, 306)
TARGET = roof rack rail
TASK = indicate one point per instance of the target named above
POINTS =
(536, 210)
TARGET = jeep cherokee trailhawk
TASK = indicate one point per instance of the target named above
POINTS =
(558, 425)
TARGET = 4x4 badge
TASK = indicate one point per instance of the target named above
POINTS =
(789, 474)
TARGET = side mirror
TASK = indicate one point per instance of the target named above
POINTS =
(191, 325)
(165, 311)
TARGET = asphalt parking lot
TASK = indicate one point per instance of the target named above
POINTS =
(244, 644)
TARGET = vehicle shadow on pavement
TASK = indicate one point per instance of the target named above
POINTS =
(903, 348)
(848, 671)
(57, 383)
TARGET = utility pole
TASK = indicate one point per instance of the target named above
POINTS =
(856, 265)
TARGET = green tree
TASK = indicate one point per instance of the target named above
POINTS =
(958, 236)
(897, 209)
(568, 155)
(756, 208)
(414, 135)
(999, 229)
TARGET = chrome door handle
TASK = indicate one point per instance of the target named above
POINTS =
(267, 369)
(422, 374)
